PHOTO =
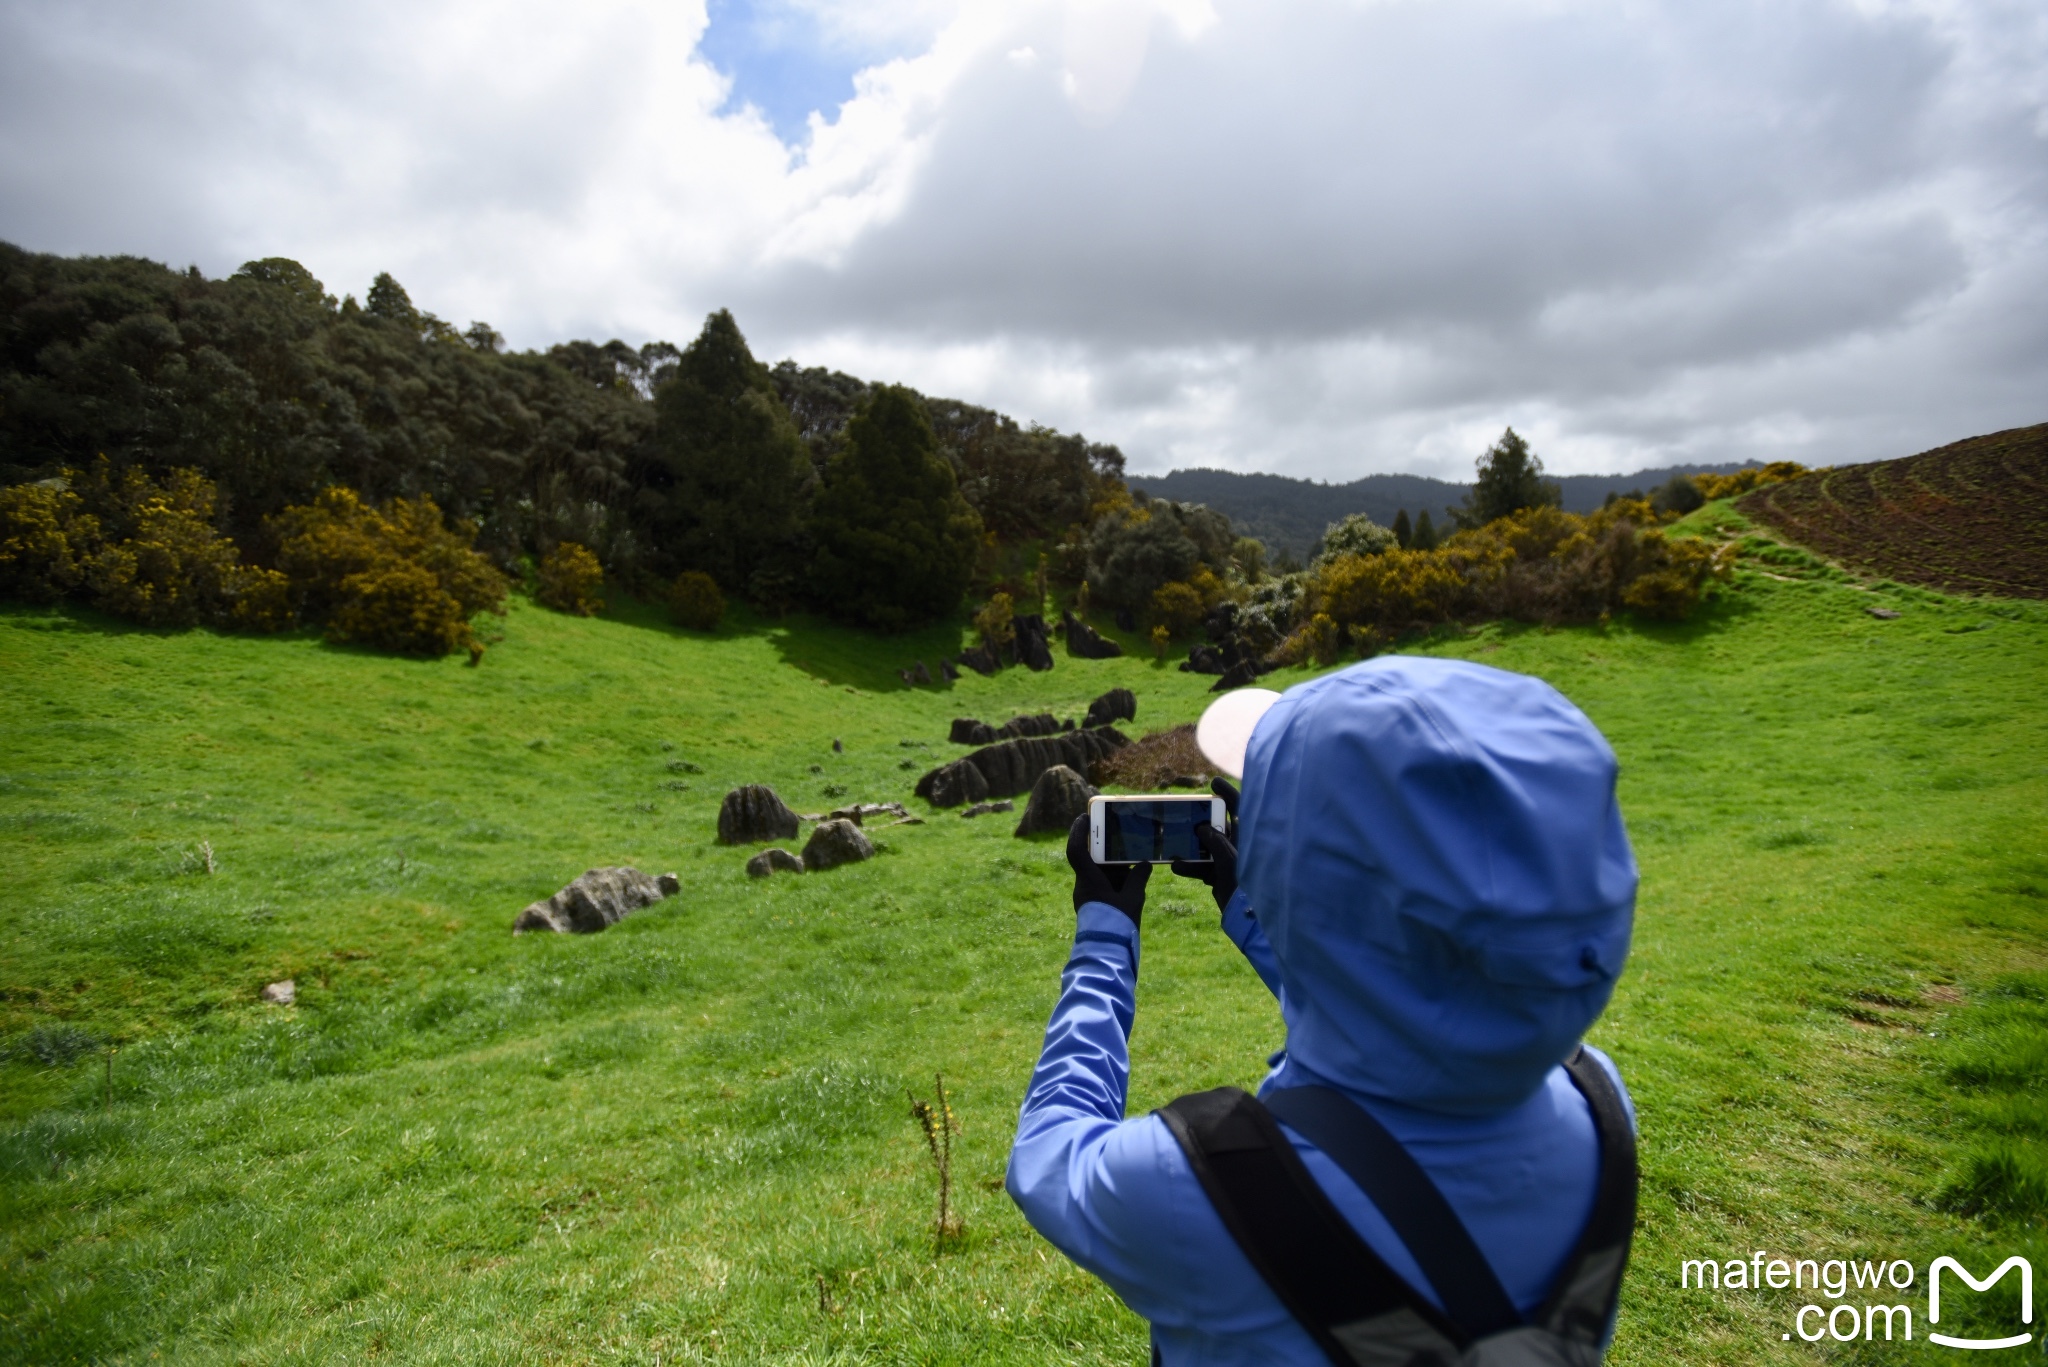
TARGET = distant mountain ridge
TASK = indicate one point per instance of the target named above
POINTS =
(1289, 515)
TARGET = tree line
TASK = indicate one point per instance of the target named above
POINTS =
(787, 487)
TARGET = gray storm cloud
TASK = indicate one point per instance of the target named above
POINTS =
(1318, 238)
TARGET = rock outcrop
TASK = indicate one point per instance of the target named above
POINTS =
(970, 731)
(775, 860)
(952, 784)
(1119, 704)
(1011, 767)
(1243, 674)
(752, 814)
(834, 843)
(1031, 646)
(1086, 643)
(1057, 798)
(980, 659)
(597, 899)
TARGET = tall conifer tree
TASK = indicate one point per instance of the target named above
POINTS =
(1510, 479)
(895, 541)
(725, 488)
(1403, 533)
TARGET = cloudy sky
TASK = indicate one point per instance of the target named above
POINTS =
(1324, 237)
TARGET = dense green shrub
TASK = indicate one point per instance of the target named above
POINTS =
(396, 577)
(1355, 535)
(136, 547)
(1177, 607)
(695, 602)
(895, 541)
(47, 541)
(569, 579)
(1677, 496)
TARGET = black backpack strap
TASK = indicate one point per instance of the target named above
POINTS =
(1584, 1296)
(1299, 1242)
(1423, 1220)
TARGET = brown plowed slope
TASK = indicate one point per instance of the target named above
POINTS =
(1967, 518)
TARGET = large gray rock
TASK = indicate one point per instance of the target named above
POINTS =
(1119, 704)
(1243, 674)
(969, 731)
(834, 843)
(1086, 643)
(773, 860)
(600, 898)
(1040, 724)
(1057, 798)
(1010, 768)
(752, 814)
(952, 784)
(980, 659)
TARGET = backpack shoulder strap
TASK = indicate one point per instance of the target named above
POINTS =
(1582, 1300)
(1326, 1276)
(1422, 1219)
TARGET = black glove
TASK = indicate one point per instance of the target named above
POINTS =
(1120, 885)
(1220, 873)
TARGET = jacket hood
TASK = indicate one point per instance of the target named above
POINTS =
(1435, 852)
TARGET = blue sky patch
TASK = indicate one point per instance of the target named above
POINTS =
(781, 63)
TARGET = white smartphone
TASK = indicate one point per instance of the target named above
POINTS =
(1156, 828)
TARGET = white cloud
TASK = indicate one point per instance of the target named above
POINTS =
(1321, 238)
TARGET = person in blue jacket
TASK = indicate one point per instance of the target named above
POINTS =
(1432, 877)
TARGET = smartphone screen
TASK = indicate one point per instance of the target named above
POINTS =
(1152, 830)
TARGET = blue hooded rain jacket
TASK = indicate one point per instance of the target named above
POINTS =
(1436, 886)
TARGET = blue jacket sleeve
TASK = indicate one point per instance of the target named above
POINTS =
(1077, 1092)
(1250, 938)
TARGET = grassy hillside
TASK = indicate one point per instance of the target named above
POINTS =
(688, 1138)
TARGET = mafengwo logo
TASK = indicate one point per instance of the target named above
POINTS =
(1882, 1310)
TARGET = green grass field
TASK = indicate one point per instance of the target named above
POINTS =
(689, 1138)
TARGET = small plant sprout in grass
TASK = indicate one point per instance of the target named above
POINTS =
(200, 859)
(939, 1124)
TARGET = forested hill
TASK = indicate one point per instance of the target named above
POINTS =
(1289, 515)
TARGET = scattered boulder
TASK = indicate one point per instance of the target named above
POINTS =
(1208, 660)
(952, 784)
(969, 731)
(1883, 614)
(1243, 674)
(980, 659)
(280, 994)
(985, 808)
(1086, 643)
(1119, 704)
(834, 843)
(924, 676)
(1057, 798)
(773, 860)
(753, 814)
(947, 672)
(838, 748)
(1040, 724)
(597, 899)
(1011, 767)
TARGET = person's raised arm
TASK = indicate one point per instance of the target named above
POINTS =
(1077, 1092)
